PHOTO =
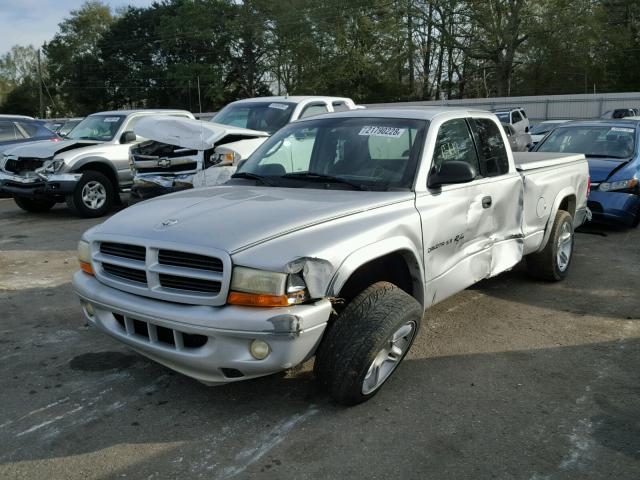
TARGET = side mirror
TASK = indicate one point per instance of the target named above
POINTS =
(452, 172)
(128, 137)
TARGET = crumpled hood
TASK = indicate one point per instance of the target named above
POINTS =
(188, 133)
(234, 217)
(47, 148)
(601, 168)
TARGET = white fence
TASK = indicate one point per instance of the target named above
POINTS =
(547, 107)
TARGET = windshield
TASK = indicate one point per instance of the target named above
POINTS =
(593, 141)
(542, 128)
(97, 127)
(504, 117)
(346, 152)
(263, 116)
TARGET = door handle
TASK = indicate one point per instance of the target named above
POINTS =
(486, 202)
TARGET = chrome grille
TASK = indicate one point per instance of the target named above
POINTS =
(163, 272)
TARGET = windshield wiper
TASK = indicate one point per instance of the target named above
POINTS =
(321, 177)
(253, 176)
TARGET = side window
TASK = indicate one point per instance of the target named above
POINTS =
(314, 109)
(8, 132)
(493, 154)
(522, 112)
(516, 117)
(340, 107)
(29, 128)
(454, 142)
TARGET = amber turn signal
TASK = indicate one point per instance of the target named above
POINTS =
(86, 268)
(257, 300)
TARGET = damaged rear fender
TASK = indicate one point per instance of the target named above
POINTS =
(568, 194)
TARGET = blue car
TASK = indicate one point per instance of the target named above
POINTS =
(611, 148)
(17, 129)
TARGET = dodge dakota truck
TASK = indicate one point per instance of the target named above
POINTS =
(191, 157)
(88, 169)
(336, 253)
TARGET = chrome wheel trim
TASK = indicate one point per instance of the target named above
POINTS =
(387, 359)
(94, 195)
(565, 244)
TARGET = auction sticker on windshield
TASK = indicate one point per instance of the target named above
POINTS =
(111, 119)
(279, 106)
(622, 129)
(371, 131)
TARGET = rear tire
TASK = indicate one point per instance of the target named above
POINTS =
(34, 206)
(367, 342)
(553, 261)
(93, 196)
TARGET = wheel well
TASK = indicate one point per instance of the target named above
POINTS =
(102, 168)
(399, 268)
(568, 204)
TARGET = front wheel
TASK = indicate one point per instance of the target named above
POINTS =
(367, 342)
(552, 262)
(93, 196)
(34, 206)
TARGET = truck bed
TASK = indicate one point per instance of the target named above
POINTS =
(526, 161)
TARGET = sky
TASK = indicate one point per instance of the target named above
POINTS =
(34, 22)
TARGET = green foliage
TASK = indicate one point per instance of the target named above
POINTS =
(370, 50)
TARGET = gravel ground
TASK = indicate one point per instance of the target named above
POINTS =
(512, 378)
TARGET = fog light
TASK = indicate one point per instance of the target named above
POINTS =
(259, 349)
(88, 309)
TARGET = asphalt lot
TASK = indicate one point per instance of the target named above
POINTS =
(512, 378)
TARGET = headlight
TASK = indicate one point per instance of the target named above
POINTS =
(51, 166)
(84, 257)
(620, 185)
(260, 288)
(224, 156)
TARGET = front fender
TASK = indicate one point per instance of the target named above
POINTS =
(376, 250)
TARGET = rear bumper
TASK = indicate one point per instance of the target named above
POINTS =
(52, 186)
(615, 207)
(223, 334)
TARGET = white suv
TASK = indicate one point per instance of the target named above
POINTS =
(516, 117)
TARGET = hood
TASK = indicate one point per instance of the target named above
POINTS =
(235, 217)
(46, 148)
(601, 168)
(188, 133)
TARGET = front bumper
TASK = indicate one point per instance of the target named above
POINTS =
(615, 207)
(147, 186)
(55, 185)
(167, 332)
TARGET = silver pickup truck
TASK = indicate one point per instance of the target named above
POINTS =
(335, 253)
(87, 169)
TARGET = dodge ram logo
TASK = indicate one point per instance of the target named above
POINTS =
(164, 163)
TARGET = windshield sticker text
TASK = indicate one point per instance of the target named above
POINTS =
(279, 106)
(111, 119)
(371, 131)
(622, 129)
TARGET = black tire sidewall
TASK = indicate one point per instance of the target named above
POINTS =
(76, 204)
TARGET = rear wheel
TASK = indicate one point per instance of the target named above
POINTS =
(367, 342)
(93, 196)
(553, 261)
(34, 206)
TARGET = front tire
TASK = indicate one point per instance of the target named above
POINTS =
(93, 196)
(552, 262)
(34, 206)
(367, 342)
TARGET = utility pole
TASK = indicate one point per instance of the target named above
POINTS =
(40, 86)
(199, 101)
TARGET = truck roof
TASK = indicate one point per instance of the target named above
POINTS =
(141, 110)
(421, 113)
(293, 99)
